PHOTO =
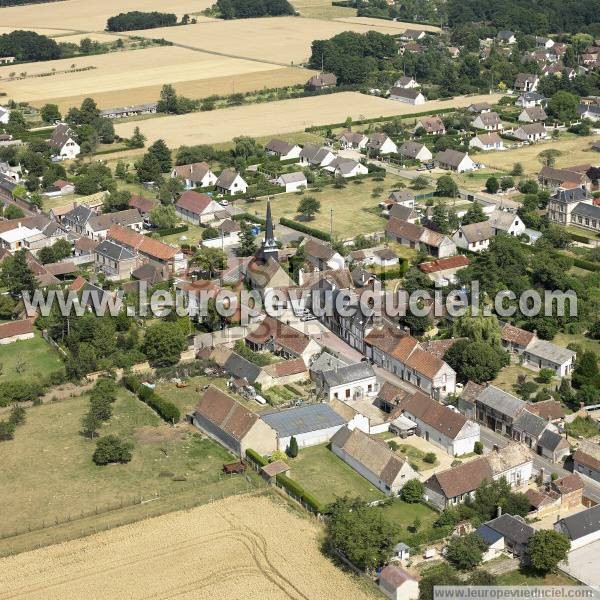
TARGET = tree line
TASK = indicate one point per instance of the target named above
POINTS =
(136, 19)
(247, 9)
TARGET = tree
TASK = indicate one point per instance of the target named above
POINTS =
(116, 200)
(479, 328)
(474, 214)
(149, 169)
(547, 548)
(480, 578)
(163, 344)
(17, 125)
(247, 245)
(361, 532)
(50, 113)
(446, 186)
(162, 153)
(506, 183)
(478, 447)
(90, 423)
(517, 170)
(292, 449)
(548, 157)
(111, 449)
(563, 106)
(16, 275)
(137, 139)
(308, 207)
(546, 375)
(465, 551)
(413, 491)
(164, 217)
(12, 211)
(209, 259)
(439, 218)
(492, 185)
(476, 361)
(441, 574)
(420, 182)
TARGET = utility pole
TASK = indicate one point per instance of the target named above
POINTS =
(331, 223)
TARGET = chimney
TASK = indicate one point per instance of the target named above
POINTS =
(499, 511)
(496, 448)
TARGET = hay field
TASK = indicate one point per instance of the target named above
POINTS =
(250, 547)
(282, 40)
(285, 116)
(120, 71)
(89, 15)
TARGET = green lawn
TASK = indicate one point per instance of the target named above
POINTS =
(49, 471)
(527, 577)
(404, 514)
(27, 359)
(508, 377)
(328, 477)
(415, 457)
(354, 209)
(564, 339)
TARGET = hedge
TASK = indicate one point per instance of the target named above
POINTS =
(256, 458)
(588, 265)
(165, 409)
(170, 230)
(318, 233)
(297, 490)
(581, 238)
(246, 216)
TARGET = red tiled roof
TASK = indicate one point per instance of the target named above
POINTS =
(551, 410)
(516, 335)
(434, 414)
(285, 368)
(144, 205)
(12, 328)
(77, 284)
(282, 334)
(568, 483)
(194, 202)
(586, 459)
(464, 478)
(452, 262)
(142, 243)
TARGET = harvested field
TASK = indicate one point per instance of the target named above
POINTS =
(282, 40)
(285, 116)
(88, 15)
(398, 26)
(322, 9)
(238, 547)
(40, 30)
(113, 78)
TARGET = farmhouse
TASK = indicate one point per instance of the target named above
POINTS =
(453, 160)
(283, 150)
(13, 331)
(194, 175)
(582, 528)
(568, 179)
(440, 425)
(407, 95)
(474, 236)
(541, 354)
(415, 151)
(530, 133)
(311, 425)
(292, 182)
(196, 208)
(144, 205)
(380, 143)
(63, 142)
(129, 111)
(233, 425)
(98, 225)
(487, 141)
(455, 485)
(231, 182)
(372, 459)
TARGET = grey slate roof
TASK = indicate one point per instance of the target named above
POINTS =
(550, 351)
(238, 366)
(530, 423)
(80, 215)
(113, 251)
(410, 149)
(551, 440)
(512, 528)
(582, 523)
(125, 217)
(294, 177)
(61, 135)
(587, 210)
(226, 178)
(348, 374)
(326, 362)
(304, 419)
(501, 401)
(488, 535)
(569, 196)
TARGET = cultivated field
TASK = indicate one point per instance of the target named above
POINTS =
(322, 9)
(285, 116)
(227, 550)
(75, 38)
(40, 30)
(282, 40)
(89, 15)
(397, 26)
(121, 78)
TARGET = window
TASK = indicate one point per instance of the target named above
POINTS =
(348, 393)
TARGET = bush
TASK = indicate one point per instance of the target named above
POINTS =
(299, 492)
(546, 375)
(7, 430)
(413, 491)
(165, 409)
(257, 458)
(430, 458)
(478, 448)
(111, 449)
(170, 230)
(19, 391)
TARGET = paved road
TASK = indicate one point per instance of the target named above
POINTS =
(591, 488)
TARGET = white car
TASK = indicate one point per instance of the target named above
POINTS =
(224, 202)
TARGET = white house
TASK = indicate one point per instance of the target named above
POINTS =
(231, 182)
(406, 83)
(14, 239)
(322, 256)
(487, 141)
(352, 139)
(532, 114)
(195, 175)
(407, 95)
(453, 160)
(541, 354)
(489, 121)
(475, 236)
(346, 167)
(415, 151)
(351, 382)
(530, 99)
(398, 584)
(526, 82)
(504, 222)
(315, 156)
(440, 425)
(4, 115)
(196, 208)
(284, 150)
(63, 142)
(311, 424)
(380, 143)
(373, 459)
(531, 132)
(292, 182)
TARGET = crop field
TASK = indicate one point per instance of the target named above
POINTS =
(274, 118)
(75, 38)
(88, 15)
(282, 40)
(122, 78)
(396, 26)
(226, 550)
(40, 30)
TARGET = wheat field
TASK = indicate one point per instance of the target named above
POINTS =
(255, 547)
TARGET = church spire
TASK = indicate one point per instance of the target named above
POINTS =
(268, 247)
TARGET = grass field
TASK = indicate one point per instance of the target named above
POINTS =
(226, 550)
(362, 218)
(564, 339)
(34, 358)
(273, 118)
(282, 40)
(50, 443)
(508, 377)
(88, 15)
(328, 477)
(123, 78)
(404, 514)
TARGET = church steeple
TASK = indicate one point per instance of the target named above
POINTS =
(268, 247)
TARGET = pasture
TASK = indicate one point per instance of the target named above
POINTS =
(228, 549)
(285, 116)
